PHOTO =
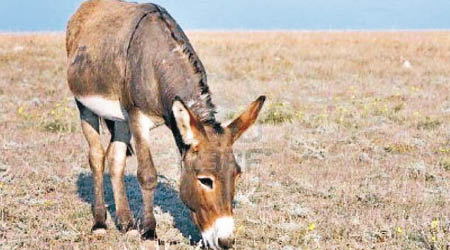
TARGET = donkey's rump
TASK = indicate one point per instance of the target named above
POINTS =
(97, 41)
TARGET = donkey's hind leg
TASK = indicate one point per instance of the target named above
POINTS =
(116, 159)
(91, 130)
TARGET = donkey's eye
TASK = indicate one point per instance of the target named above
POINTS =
(206, 182)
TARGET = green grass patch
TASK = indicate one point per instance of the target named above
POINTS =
(429, 124)
(278, 113)
(445, 163)
(60, 119)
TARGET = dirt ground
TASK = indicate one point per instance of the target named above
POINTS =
(352, 150)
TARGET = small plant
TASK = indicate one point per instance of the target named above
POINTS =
(23, 113)
(444, 150)
(60, 119)
(429, 124)
(399, 148)
(277, 113)
(398, 107)
(445, 163)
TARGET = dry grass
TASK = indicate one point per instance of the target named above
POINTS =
(351, 152)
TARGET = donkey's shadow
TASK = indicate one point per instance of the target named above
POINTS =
(166, 198)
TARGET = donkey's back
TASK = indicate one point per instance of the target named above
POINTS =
(97, 41)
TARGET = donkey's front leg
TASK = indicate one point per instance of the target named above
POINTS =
(140, 128)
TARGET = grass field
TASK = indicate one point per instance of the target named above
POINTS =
(352, 150)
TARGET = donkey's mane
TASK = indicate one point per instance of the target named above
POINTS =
(203, 105)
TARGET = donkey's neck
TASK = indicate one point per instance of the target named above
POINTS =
(177, 78)
(180, 72)
(176, 81)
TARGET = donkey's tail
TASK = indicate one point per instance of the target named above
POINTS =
(119, 136)
(130, 150)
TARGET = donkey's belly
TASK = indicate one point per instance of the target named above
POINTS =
(103, 107)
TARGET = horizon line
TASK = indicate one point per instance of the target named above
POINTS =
(19, 32)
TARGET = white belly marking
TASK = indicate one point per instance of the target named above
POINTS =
(108, 109)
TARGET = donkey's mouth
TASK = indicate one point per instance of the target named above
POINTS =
(220, 234)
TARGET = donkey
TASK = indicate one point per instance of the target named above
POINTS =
(131, 65)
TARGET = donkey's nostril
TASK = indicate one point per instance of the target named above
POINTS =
(226, 243)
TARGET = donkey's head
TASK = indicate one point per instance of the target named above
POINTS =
(210, 171)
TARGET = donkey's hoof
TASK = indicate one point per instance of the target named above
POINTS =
(150, 234)
(99, 229)
(126, 227)
(99, 226)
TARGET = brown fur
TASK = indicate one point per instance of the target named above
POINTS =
(97, 40)
(138, 55)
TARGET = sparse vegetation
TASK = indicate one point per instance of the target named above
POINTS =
(351, 152)
(399, 148)
(61, 118)
(445, 163)
(429, 124)
(277, 113)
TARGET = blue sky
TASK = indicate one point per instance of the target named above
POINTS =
(52, 15)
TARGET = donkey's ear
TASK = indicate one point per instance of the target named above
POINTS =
(188, 124)
(246, 119)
